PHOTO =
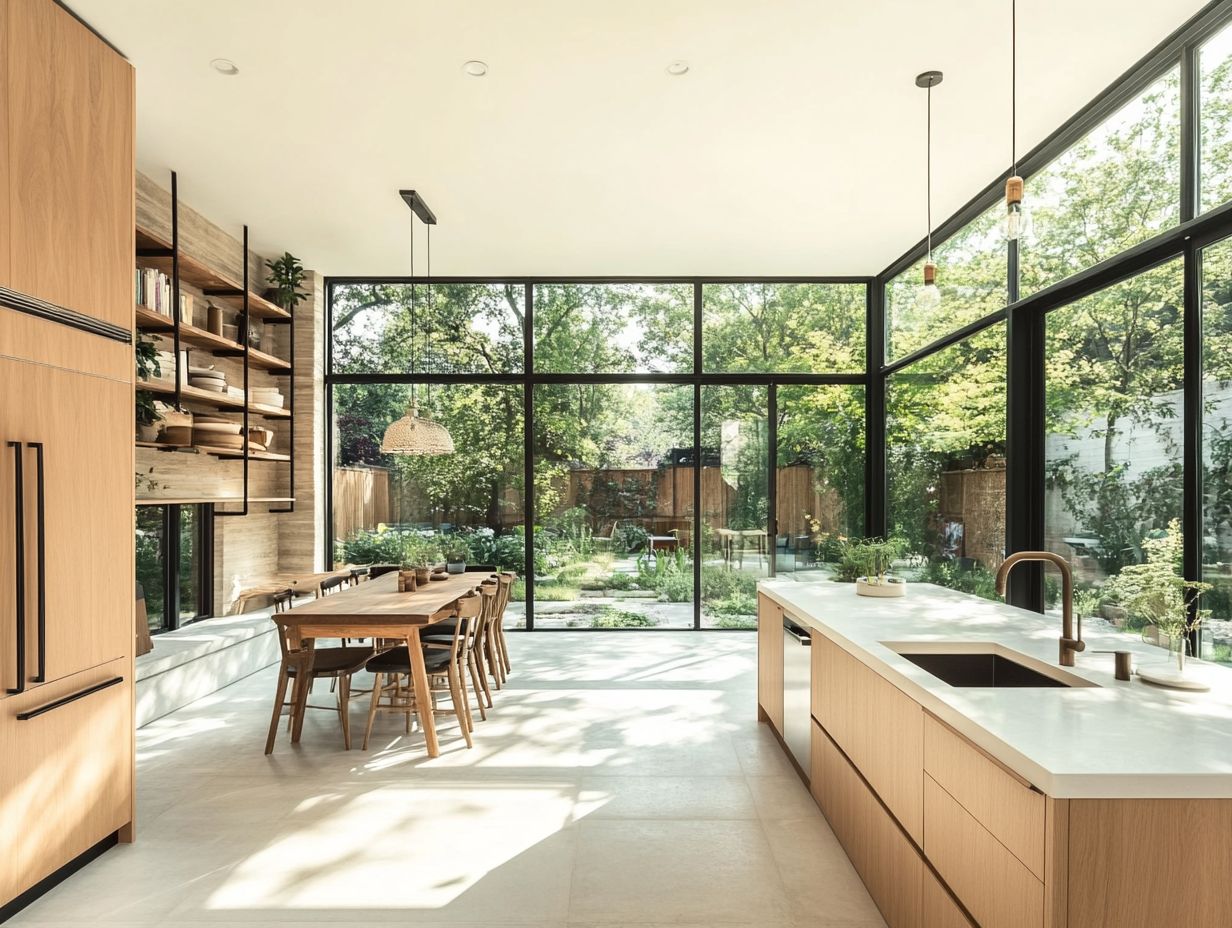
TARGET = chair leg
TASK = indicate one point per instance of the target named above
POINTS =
(487, 653)
(376, 697)
(344, 708)
(500, 634)
(455, 696)
(481, 683)
(280, 698)
(466, 699)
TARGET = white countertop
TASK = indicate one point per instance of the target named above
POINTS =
(1114, 740)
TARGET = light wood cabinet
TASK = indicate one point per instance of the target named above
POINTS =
(69, 178)
(877, 725)
(83, 424)
(1003, 802)
(5, 232)
(996, 888)
(938, 908)
(770, 661)
(885, 859)
(66, 780)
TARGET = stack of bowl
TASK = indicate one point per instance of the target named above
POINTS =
(217, 432)
(267, 396)
(206, 378)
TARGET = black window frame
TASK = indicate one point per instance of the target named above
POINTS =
(203, 541)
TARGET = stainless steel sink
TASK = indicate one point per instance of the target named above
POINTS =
(983, 664)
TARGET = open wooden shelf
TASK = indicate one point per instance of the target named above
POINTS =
(150, 321)
(154, 251)
(220, 401)
(257, 358)
(228, 453)
(192, 501)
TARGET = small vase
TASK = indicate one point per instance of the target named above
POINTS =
(148, 432)
(406, 581)
(422, 574)
(455, 567)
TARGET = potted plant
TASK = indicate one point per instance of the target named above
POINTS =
(455, 557)
(286, 274)
(419, 555)
(872, 559)
(1155, 591)
(146, 355)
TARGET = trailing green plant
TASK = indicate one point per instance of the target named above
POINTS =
(286, 274)
(146, 355)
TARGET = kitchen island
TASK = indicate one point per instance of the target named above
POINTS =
(1078, 801)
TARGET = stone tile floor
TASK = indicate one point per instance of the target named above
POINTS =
(622, 780)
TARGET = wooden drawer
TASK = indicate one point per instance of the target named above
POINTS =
(66, 779)
(938, 909)
(886, 861)
(770, 661)
(994, 885)
(1000, 800)
(877, 725)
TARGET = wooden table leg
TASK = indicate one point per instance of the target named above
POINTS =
(423, 694)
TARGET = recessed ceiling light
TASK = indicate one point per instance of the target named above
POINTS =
(475, 68)
(678, 68)
(225, 66)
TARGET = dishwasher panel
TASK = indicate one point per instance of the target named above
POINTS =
(797, 700)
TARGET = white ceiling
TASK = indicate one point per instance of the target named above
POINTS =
(793, 146)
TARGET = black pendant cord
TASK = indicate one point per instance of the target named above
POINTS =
(412, 308)
(1013, 88)
(928, 160)
(428, 324)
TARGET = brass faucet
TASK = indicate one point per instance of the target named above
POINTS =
(1070, 644)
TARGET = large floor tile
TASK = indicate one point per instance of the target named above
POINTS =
(620, 780)
(680, 872)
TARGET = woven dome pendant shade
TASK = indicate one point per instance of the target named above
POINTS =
(413, 435)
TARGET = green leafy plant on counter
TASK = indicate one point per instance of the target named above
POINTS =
(871, 558)
(1156, 592)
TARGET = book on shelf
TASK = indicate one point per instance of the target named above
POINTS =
(153, 290)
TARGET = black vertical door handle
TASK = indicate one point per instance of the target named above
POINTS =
(41, 563)
(19, 578)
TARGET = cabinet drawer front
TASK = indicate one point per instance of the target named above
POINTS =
(994, 886)
(1001, 801)
(66, 780)
(877, 725)
(939, 910)
(770, 660)
(883, 857)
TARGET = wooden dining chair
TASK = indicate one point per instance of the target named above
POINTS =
(444, 664)
(474, 647)
(306, 664)
(331, 585)
(506, 586)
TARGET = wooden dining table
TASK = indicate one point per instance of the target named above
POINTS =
(375, 609)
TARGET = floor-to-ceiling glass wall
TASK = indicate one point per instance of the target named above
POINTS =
(640, 413)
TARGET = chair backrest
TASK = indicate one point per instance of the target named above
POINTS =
(481, 568)
(282, 600)
(331, 585)
(506, 589)
(357, 574)
(468, 613)
(380, 570)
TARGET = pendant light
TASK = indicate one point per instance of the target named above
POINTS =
(413, 434)
(929, 296)
(1017, 220)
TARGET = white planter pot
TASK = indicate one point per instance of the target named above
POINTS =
(892, 588)
(456, 567)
